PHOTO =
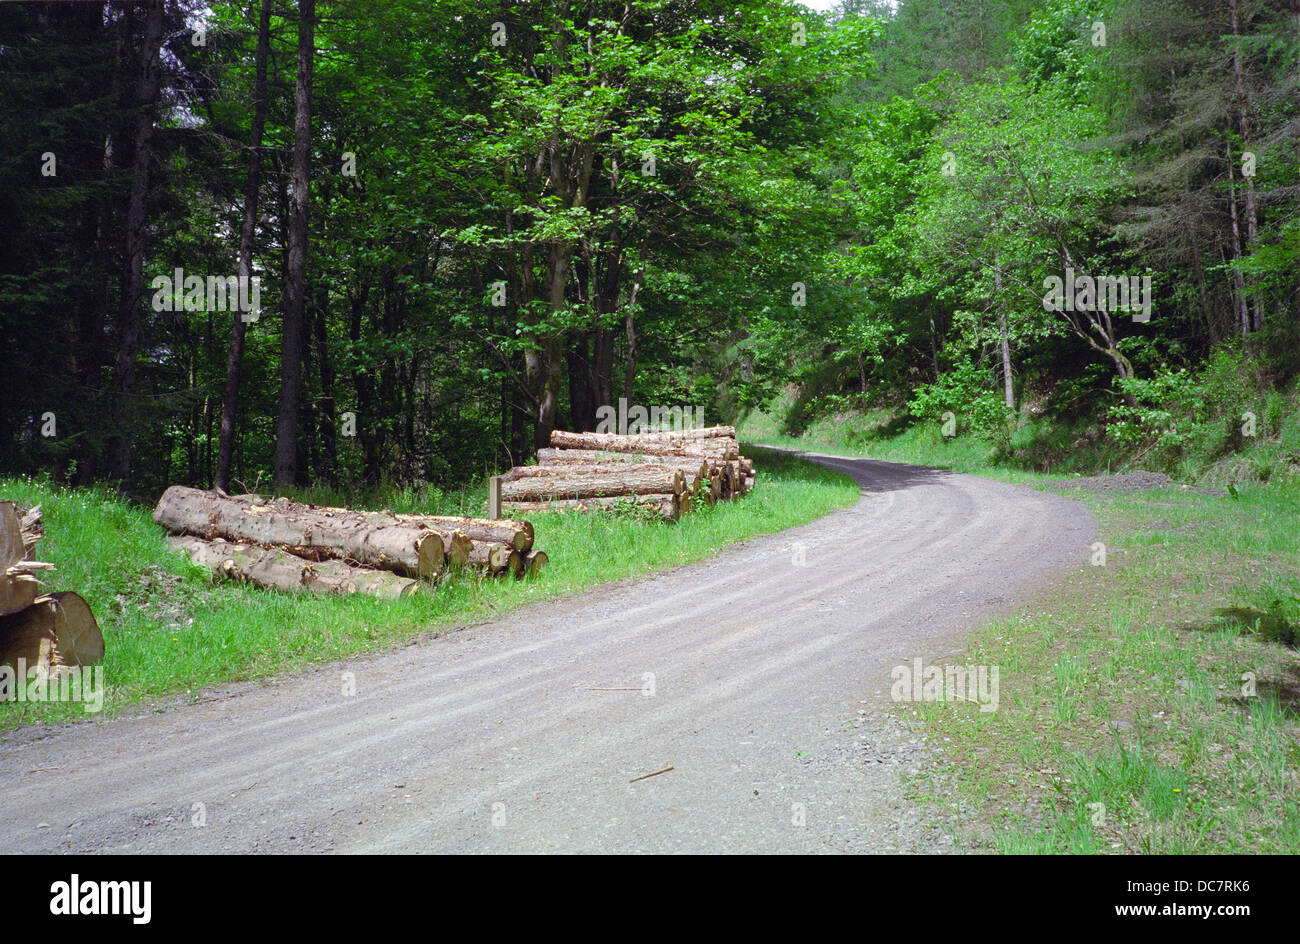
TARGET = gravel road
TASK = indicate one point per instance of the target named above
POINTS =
(762, 682)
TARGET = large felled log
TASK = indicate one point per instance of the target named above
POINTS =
(455, 543)
(518, 534)
(649, 482)
(668, 506)
(265, 566)
(649, 444)
(560, 461)
(686, 435)
(694, 466)
(581, 457)
(56, 630)
(19, 532)
(581, 469)
(406, 549)
(279, 570)
(336, 576)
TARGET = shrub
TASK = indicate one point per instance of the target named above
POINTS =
(969, 392)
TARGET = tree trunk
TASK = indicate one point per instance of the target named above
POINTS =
(630, 329)
(286, 432)
(1238, 282)
(1243, 127)
(328, 414)
(1008, 390)
(239, 328)
(129, 308)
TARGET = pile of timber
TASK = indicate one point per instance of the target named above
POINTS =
(668, 472)
(49, 631)
(288, 545)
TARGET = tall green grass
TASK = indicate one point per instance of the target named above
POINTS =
(170, 629)
(1151, 705)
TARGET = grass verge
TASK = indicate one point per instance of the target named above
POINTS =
(171, 630)
(1150, 704)
(873, 435)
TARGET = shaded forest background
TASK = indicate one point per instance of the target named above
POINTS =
(474, 223)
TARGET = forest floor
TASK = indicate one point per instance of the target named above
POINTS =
(737, 704)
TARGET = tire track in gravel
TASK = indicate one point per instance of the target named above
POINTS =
(524, 734)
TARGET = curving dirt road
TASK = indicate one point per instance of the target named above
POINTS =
(760, 682)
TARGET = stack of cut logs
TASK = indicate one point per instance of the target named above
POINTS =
(287, 545)
(667, 472)
(53, 630)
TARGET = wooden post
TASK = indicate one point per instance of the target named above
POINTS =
(494, 497)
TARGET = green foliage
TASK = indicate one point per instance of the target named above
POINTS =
(969, 393)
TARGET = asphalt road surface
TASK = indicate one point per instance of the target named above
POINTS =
(761, 677)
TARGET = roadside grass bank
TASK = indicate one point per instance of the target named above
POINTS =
(1148, 705)
(170, 629)
(879, 434)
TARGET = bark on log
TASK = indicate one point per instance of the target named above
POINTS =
(680, 435)
(583, 469)
(550, 458)
(693, 466)
(455, 542)
(56, 630)
(267, 567)
(656, 481)
(407, 549)
(704, 432)
(275, 569)
(337, 576)
(648, 445)
(518, 534)
(668, 506)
